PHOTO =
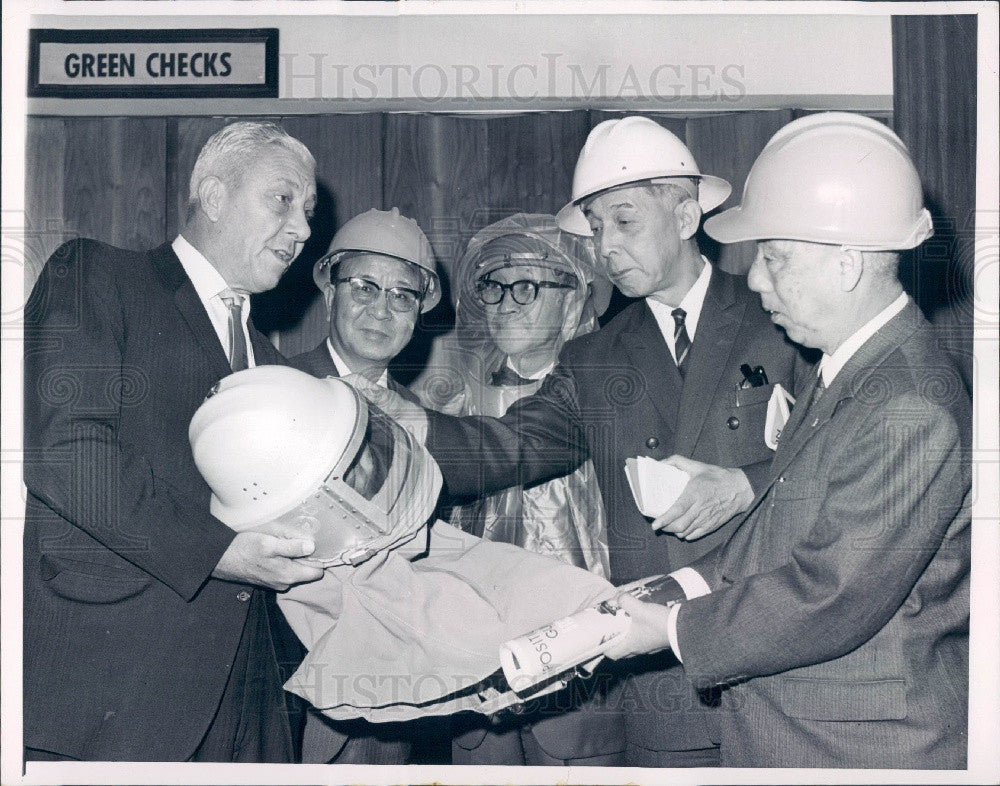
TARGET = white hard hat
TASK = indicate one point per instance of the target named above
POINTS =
(278, 445)
(834, 178)
(630, 150)
(385, 232)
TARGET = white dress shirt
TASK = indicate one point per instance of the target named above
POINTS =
(692, 582)
(343, 369)
(830, 365)
(210, 286)
(692, 303)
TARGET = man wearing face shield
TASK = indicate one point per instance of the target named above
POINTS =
(525, 288)
(407, 620)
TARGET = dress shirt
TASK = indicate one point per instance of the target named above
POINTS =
(830, 365)
(209, 285)
(344, 370)
(693, 584)
(691, 303)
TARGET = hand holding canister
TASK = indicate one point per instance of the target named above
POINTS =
(555, 651)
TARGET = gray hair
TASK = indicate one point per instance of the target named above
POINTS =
(883, 265)
(229, 152)
(674, 191)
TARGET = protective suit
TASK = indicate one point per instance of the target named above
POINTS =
(408, 619)
(563, 518)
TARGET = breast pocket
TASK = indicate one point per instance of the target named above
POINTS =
(738, 422)
(85, 581)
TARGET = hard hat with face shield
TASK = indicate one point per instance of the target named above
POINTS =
(390, 234)
(834, 178)
(278, 445)
(626, 152)
(398, 626)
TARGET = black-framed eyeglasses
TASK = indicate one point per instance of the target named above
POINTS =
(365, 292)
(523, 292)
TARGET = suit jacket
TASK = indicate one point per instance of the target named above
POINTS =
(317, 361)
(128, 641)
(616, 394)
(840, 607)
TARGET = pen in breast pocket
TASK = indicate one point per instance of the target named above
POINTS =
(753, 377)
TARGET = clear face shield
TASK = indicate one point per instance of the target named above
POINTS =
(278, 446)
(384, 496)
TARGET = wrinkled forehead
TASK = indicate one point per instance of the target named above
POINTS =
(512, 273)
(378, 267)
(274, 162)
(639, 196)
(636, 196)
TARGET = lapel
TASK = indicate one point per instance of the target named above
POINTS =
(649, 353)
(806, 422)
(320, 362)
(718, 329)
(175, 280)
(264, 352)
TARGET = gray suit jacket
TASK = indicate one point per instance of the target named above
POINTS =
(839, 612)
(615, 394)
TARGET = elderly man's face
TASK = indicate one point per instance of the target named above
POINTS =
(636, 237)
(370, 333)
(264, 219)
(798, 285)
(519, 329)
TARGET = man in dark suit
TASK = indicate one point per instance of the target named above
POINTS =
(837, 613)
(146, 630)
(377, 277)
(650, 383)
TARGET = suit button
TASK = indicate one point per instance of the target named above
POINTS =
(243, 596)
(652, 443)
(733, 422)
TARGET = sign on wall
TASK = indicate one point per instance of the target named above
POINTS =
(232, 63)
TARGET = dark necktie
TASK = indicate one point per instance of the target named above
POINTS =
(682, 344)
(505, 376)
(238, 358)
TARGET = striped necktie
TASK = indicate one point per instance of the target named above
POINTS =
(238, 358)
(682, 344)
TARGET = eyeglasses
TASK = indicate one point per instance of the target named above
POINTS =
(523, 292)
(365, 292)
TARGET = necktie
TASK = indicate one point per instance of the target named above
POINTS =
(237, 339)
(682, 344)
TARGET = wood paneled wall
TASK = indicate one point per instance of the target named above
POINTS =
(125, 181)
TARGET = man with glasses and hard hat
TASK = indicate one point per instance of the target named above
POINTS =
(837, 614)
(377, 277)
(683, 375)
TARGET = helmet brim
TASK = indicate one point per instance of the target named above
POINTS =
(712, 192)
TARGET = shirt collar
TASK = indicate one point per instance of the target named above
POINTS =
(208, 282)
(536, 376)
(692, 301)
(344, 370)
(830, 365)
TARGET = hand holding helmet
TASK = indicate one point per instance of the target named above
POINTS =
(268, 558)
